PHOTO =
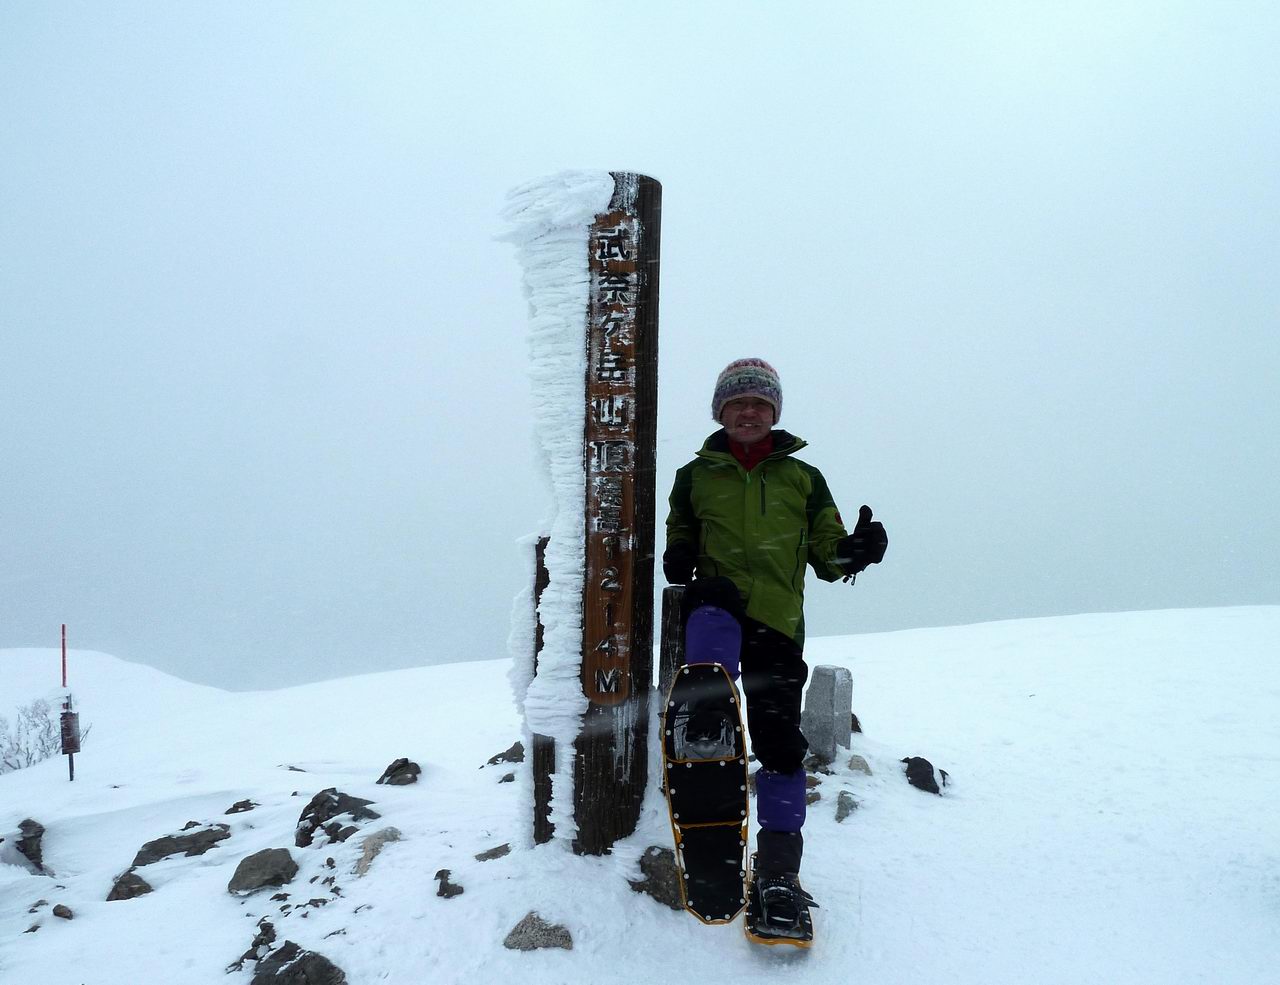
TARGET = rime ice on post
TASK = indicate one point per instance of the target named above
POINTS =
(588, 243)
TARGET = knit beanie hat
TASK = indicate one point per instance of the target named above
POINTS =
(747, 378)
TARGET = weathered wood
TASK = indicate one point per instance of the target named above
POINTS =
(620, 451)
(542, 757)
(671, 646)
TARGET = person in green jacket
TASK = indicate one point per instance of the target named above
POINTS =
(746, 518)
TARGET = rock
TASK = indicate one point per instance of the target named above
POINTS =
(811, 781)
(493, 853)
(290, 964)
(447, 889)
(846, 804)
(240, 806)
(533, 933)
(920, 774)
(64, 912)
(661, 877)
(129, 886)
(190, 824)
(323, 808)
(196, 843)
(812, 797)
(272, 867)
(854, 724)
(401, 773)
(825, 720)
(32, 929)
(860, 765)
(815, 764)
(508, 778)
(372, 845)
(513, 755)
(37, 905)
(259, 948)
(30, 844)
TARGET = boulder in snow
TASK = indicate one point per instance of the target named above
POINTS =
(533, 933)
(661, 877)
(513, 755)
(195, 843)
(447, 889)
(269, 867)
(323, 808)
(372, 845)
(920, 773)
(401, 773)
(290, 964)
(129, 886)
(846, 804)
(30, 845)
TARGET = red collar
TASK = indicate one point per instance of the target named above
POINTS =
(749, 456)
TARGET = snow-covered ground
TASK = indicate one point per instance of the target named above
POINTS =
(1113, 817)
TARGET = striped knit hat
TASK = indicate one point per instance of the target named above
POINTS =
(747, 378)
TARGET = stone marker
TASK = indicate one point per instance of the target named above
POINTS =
(826, 720)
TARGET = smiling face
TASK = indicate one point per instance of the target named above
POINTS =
(747, 419)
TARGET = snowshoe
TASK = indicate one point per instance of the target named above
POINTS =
(778, 911)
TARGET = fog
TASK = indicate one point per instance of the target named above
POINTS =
(264, 408)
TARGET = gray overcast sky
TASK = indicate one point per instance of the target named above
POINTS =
(264, 412)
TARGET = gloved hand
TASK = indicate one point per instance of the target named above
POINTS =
(678, 562)
(866, 545)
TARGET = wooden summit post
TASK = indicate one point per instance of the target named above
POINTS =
(619, 459)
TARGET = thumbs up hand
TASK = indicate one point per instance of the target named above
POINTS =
(866, 545)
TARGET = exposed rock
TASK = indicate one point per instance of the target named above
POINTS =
(811, 781)
(190, 824)
(661, 877)
(270, 867)
(815, 764)
(64, 912)
(323, 808)
(860, 765)
(447, 889)
(846, 804)
(259, 948)
(196, 843)
(32, 929)
(493, 853)
(400, 773)
(812, 797)
(533, 933)
(372, 845)
(920, 774)
(508, 778)
(36, 906)
(854, 724)
(290, 964)
(513, 755)
(29, 845)
(129, 886)
(240, 806)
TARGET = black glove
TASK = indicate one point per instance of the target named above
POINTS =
(678, 562)
(866, 545)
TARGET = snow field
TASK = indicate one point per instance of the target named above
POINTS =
(1111, 818)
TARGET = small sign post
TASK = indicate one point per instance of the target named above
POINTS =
(70, 720)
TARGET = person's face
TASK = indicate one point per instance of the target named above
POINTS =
(747, 419)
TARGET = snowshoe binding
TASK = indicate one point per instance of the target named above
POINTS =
(778, 910)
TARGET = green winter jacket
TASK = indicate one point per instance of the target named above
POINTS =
(758, 528)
